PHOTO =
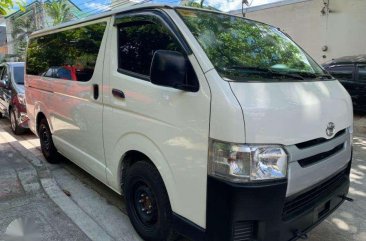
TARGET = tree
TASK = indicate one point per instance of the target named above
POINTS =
(22, 28)
(59, 11)
(7, 5)
(196, 4)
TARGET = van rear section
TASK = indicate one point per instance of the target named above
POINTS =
(212, 126)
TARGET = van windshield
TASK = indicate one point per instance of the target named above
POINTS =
(19, 75)
(243, 50)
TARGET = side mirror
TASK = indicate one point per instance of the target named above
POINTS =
(170, 69)
(3, 84)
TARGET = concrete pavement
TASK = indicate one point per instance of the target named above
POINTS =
(27, 212)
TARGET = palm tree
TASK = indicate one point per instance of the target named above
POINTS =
(22, 28)
(59, 11)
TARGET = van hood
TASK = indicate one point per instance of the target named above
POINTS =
(292, 112)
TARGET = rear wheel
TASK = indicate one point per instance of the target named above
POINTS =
(148, 203)
(18, 130)
(48, 148)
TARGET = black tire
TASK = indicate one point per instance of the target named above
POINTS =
(145, 192)
(48, 148)
(17, 130)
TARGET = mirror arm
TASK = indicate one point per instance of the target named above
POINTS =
(185, 87)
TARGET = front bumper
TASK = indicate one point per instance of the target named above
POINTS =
(261, 212)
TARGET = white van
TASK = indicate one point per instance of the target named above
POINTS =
(212, 126)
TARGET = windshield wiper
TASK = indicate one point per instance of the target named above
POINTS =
(312, 75)
(267, 72)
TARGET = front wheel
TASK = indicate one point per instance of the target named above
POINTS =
(18, 130)
(148, 203)
(48, 148)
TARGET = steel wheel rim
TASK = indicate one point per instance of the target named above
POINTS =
(45, 137)
(12, 121)
(144, 203)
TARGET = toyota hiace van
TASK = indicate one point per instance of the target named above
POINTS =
(212, 126)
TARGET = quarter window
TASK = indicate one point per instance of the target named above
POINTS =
(137, 43)
(342, 72)
(69, 55)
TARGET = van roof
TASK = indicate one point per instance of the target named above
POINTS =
(113, 12)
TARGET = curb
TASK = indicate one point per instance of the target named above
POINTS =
(39, 171)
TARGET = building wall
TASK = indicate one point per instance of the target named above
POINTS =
(342, 30)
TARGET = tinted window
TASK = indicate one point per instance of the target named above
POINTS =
(19, 75)
(137, 43)
(362, 73)
(75, 49)
(342, 72)
(2, 68)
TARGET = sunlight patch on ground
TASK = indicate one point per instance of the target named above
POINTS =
(6, 137)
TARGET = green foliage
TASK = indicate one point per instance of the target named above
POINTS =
(59, 11)
(233, 42)
(22, 28)
(7, 5)
(197, 4)
(74, 47)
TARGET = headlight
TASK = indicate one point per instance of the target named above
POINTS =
(244, 163)
(21, 99)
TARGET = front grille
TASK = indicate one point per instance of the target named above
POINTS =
(319, 157)
(318, 141)
(303, 202)
(243, 231)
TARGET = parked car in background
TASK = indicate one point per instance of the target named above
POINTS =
(12, 103)
(351, 72)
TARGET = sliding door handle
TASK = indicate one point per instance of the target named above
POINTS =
(118, 94)
(95, 91)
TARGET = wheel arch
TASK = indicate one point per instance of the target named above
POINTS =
(138, 147)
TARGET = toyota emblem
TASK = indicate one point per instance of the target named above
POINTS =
(330, 129)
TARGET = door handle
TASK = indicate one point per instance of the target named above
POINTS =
(95, 91)
(118, 94)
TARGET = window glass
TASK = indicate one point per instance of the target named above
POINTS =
(1, 71)
(63, 73)
(342, 72)
(75, 50)
(242, 49)
(362, 73)
(49, 73)
(137, 43)
(19, 75)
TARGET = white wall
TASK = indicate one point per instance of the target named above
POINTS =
(343, 30)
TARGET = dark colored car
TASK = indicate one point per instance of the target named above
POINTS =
(351, 72)
(12, 101)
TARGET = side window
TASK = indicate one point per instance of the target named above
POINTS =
(342, 72)
(72, 54)
(138, 41)
(49, 73)
(1, 72)
(362, 73)
(63, 73)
